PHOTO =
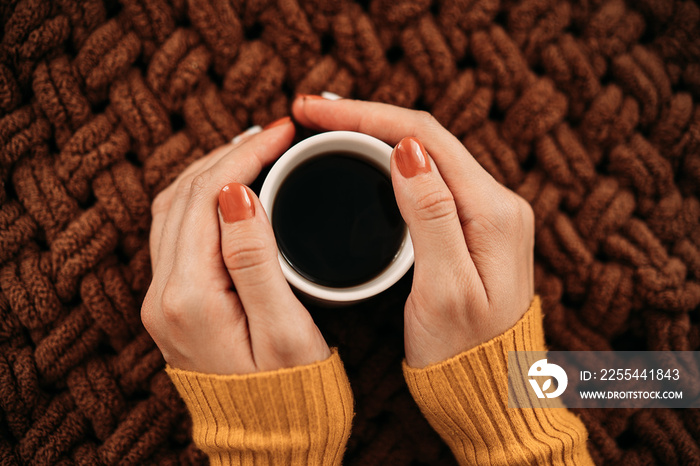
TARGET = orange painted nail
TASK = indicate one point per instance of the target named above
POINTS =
(280, 122)
(411, 157)
(310, 97)
(235, 203)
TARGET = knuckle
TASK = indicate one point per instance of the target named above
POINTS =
(527, 214)
(172, 303)
(426, 119)
(436, 205)
(161, 203)
(184, 181)
(200, 183)
(147, 311)
(249, 255)
(183, 187)
(511, 217)
(508, 213)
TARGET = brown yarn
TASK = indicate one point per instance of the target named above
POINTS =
(586, 109)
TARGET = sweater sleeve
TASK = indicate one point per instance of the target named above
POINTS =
(295, 416)
(465, 399)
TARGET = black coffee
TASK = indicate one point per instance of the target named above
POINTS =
(336, 220)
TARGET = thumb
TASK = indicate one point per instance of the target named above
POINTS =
(429, 210)
(250, 254)
(282, 333)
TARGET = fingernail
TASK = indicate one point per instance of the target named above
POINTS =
(280, 122)
(235, 203)
(246, 134)
(330, 96)
(411, 157)
(310, 97)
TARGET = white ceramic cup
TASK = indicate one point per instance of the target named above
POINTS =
(366, 148)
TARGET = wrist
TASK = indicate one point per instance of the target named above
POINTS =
(446, 349)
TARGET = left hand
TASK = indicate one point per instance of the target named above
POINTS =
(218, 302)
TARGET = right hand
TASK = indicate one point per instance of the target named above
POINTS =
(473, 238)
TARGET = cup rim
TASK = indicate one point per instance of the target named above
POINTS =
(368, 148)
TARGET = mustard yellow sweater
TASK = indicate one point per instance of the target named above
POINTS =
(303, 415)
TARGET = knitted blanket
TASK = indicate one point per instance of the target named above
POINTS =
(588, 109)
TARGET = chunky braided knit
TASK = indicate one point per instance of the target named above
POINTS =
(585, 108)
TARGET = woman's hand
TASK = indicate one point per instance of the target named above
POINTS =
(218, 302)
(473, 238)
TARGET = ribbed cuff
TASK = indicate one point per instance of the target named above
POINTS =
(301, 415)
(465, 399)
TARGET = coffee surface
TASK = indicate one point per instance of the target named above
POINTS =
(336, 220)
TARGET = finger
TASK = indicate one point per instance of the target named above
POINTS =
(428, 207)
(261, 147)
(391, 124)
(246, 134)
(250, 252)
(205, 162)
(162, 202)
(191, 228)
(330, 95)
(235, 142)
(282, 333)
